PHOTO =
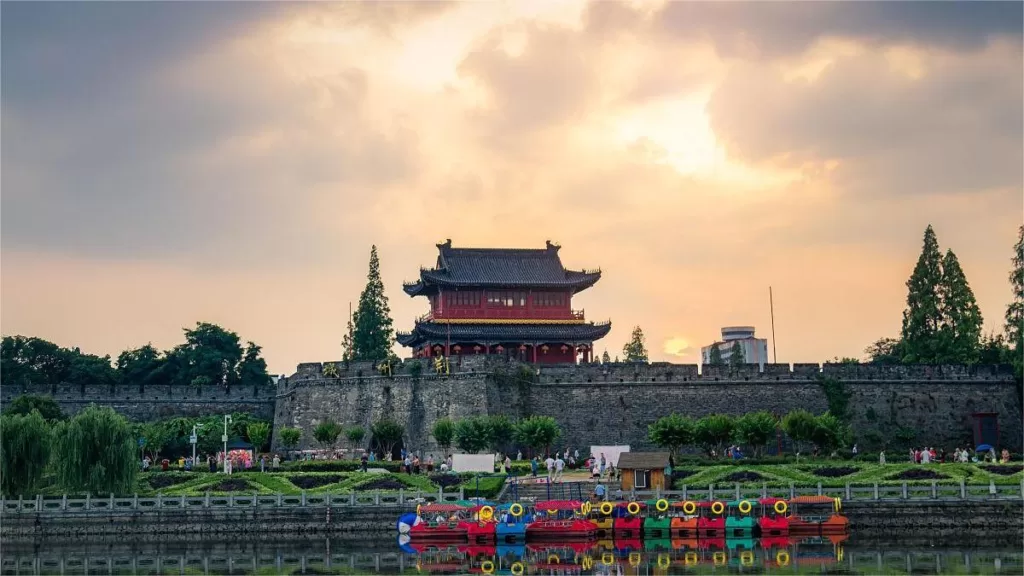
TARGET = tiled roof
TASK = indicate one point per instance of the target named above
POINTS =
(642, 460)
(426, 331)
(501, 267)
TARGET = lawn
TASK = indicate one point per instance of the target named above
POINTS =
(841, 472)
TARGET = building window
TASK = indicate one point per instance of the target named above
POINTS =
(640, 478)
(465, 299)
(507, 299)
(549, 299)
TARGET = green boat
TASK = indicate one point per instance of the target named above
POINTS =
(657, 524)
(739, 523)
(657, 544)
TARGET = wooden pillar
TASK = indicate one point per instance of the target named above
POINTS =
(534, 345)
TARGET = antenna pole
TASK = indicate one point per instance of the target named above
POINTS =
(771, 306)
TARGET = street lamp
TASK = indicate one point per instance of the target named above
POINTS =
(193, 439)
(224, 438)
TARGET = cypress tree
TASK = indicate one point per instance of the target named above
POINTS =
(372, 335)
(715, 356)
(635, 350)
(960, 333)
(736, 358)
(1015, 310)
(348, 342)
(922, 317)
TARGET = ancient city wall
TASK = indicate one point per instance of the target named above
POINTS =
(154, 402)
(614, 403)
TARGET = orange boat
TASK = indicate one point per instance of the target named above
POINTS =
(684, 519)
(773, 520)
(817, 515)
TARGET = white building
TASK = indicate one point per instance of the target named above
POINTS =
(755, 350)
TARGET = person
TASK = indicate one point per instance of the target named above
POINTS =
(559, 467)
(854, 449)
(992, 455)
(519, 456)
(263, 463)
(501, 467)
(145, 464)
(363, 461)
(533, 466)
(275, 463)
(602, 465)
(599, 492)
(576, 454)
(550, 463)
(430, 464)
(507, 465)
(881, 458)
(926, 456)
(212, 462)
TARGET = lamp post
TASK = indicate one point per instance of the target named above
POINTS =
(193, 439)
(224, 438)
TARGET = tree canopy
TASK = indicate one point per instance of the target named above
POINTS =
(636, 349)
(95, 452)
(45, 405)
(736, 357)
(387, 434)
(672, 432)
(715, 356)
(372, 336)
(443, 433)
(25, 445)
(1015, 310)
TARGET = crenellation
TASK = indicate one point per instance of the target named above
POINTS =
(777, 371)
(806, 371)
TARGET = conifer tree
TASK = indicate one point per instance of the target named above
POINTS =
(1015, 311)
(635, 350)
(960, 332)
(715, 356)
(736, 357)
(348, 342)
(922, 317)
(372, 333)
(605, 358)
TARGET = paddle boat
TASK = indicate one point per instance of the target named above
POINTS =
(480, 525)
(658, 521)
(684, 519)
(510, 522)
(627, 520)
(561, 520)
(817, 515)
(738, 520)
(438, 522)
(711, 522)
(773, 520)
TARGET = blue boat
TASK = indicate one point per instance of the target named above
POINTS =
(510, 522)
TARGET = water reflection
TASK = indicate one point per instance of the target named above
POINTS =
(629, 557)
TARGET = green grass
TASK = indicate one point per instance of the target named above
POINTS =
(867, 474)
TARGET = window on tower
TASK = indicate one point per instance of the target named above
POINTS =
(507, 299)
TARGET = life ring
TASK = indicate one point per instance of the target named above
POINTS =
(718, 558)
(634, 559)
(633, 508)
(747, 558)
(781, 507)
(552, 512)
(661, 505)
(553, 559)
(585, 508)
(516, 509)
(689, 507)
(717, 508)
(745, 506)
(664, 561)
(486, 513)
(517, 568)
(690, 559)
(587, 563)
(607, 559)
(606, 508)
(839, 553)
(839, 504)
(782, 558)
(487, 567)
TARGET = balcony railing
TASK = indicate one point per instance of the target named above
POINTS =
(496, 313)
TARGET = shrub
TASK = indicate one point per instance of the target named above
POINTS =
(231, 485)
(745, 476)
(380, 484)
(446, 480)
(682, 474)
(160, 481)
(310, 482)
(918, 474)
(290, 437)
(1003, 470)
(339, 465)
(834, 472)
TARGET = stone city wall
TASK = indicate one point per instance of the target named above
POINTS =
(155, 402)
(614, 403)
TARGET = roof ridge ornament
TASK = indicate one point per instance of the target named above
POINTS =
(552, 246)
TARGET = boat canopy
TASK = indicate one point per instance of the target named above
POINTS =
(558, 505)
(812, 500)
(444, 508)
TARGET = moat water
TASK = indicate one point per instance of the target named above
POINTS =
(914, 554)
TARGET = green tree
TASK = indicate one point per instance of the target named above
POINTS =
(960, 331)
(636, 349)
(923, 315)
(143, 366)
(1015, 310)
(994, 350)
(155, 436)
(756, 429)
(355, 435)
(252, 370)
(210, 351)
(290, 437)
(45, 405)
(387, 434)
(443, 432)
(672, 432)
(799, 426)
(886, 351)
(502, 432)
(89, 369)
(95, 452)
(259, 433)
(537, 432)
(25, 442)
(26, 361)
(373, 334)
(473, 434)
(715, 356)
(714, 430)
(605, 358)
(326, 433)
(348, 351)
(736, 358)
(829, 433)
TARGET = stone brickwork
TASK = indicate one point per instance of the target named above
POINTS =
(614, 403)
(155, 402)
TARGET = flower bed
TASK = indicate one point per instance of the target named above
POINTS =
(231, 485)
(918, 474)
(308, 482)
(161, 481)
(380, 484)
(1003, 470)
(837, 472)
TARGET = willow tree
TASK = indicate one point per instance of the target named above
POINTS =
(95, 452)
(25, 443)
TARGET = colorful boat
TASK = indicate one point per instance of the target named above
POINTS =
(561, 520)
(711, 522)
(773, 520)
(602, 515)
(739, 523)
(628, 521)
(658, 521)
(817, 515)
(511, 522)
(684, 519)
(440, 522)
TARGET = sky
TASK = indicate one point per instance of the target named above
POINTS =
(168, 163)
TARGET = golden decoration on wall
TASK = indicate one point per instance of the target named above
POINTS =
(331, 370)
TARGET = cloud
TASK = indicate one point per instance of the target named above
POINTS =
(678, 346)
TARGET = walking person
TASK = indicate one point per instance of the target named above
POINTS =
(550, 463)
(533, 466)
(559, 467)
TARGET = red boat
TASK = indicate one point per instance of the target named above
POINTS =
(629, 522)
(480, 528)
(560, 520)
(773, 520)
(711, 522)
(440, 523)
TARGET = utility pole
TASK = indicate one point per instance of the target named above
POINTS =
(224, 438)
(193, 439)
(771, 306)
